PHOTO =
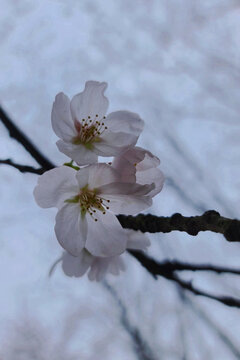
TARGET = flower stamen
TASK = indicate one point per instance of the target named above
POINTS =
(88, 131)
(89, 202)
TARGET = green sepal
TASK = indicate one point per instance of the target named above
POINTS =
(70, 164)
(73, 200)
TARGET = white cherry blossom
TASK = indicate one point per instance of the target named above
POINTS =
(87, 200)
(86, 132)
(98, 267)
(141, 166)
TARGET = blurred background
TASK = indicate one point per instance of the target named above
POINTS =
(177, 64)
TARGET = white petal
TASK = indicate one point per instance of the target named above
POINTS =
(125, 168)
(99, 268)
(71, 229)
(150, 176)
(96, 175)
(62, 122)
(149, 161)
(122, 188)
(90, 102)
(127, 198)
(114, 144)
(105, 237)
(137, 240)
(76, 265)
(133, 160)
(143, 158)
(116, 265)
(125, 121)
(78, 153)
(128, 204)
(55, 186)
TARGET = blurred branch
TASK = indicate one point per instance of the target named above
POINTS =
(209, 221)
(152, 267)
(18, 135)
(140, 345)
(158, 268)
(203, 317)
(22, 168)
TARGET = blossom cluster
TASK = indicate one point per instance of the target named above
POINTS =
(90, 194)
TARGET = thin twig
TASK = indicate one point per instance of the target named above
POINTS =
(140, 345)
(153, 269)
(23, 168)
(18, 135)
(157, 267)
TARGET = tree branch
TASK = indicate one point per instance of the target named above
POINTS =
(140, 345)
(154, 270)
(18, 135)
(158, 268)
(209, 221)
(23, 168)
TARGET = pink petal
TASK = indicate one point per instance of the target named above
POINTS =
(55, 186)
(90, 102)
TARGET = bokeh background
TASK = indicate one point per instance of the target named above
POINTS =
(177, 64)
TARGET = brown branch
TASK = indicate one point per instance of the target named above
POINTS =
(209, 221)
(18, 135)
(158, 268)
(154, 270)
(22, 168)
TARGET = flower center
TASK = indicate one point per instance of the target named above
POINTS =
(89, 202)
(88, 131)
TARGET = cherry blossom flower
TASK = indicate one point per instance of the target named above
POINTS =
(86, 132)
(140, 165)
(98, 267)
(87, 200)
